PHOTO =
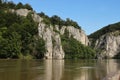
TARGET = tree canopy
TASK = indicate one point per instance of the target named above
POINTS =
(19, 36)
(4, 5)
(56, 20)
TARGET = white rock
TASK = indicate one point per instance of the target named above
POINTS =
(109, 44)
(22, 12)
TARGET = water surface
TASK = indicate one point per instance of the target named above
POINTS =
(57, 69)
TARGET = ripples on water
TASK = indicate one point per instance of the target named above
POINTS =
(57, 69)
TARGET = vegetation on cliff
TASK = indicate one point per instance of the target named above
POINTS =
(102, 40)
(107, 29)
(11, 5)
(75, 49)
(19, 35)
(56, 20)
(104, 30)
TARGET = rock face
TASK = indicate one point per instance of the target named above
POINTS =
(109, 44)
(51, 35)
(76, 33)
(53, 39)
(22, 12)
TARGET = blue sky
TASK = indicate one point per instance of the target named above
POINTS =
(91, 15)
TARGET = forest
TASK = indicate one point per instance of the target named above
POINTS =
(18, 35)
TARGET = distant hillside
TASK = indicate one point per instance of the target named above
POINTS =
(104, 30)
(107, 41)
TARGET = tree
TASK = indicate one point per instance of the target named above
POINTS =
(11, 46)
(39, 48)
(46, 18)
(11, 5)
(70, 22)
(19, 6)
(55, 20)
(27, 6)
(42, 14)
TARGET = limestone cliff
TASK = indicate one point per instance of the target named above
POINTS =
(52, 35)
(107, 41)
(76, 33)
(53, 39)
(109, 44)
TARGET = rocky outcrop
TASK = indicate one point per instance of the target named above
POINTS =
(53, 39)
(76, 33)
(52, 35)
(22, 12)
(25, 12)
(108, 45)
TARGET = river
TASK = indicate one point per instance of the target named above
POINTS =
(57, 69)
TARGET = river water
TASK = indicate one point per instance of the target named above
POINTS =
(57, 69)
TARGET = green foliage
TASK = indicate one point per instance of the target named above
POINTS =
(46, 18)
(104, 30)
(26, 6)
(74, 49)
(7, 5)
(39, 48)
(11, 46)
(70, 22)
(56, 20)
(19, 6)
(11, 5)
(17, 37)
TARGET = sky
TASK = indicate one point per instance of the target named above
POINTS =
(91, 15)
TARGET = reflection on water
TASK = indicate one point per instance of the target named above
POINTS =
(57, 69)
(53, 69)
